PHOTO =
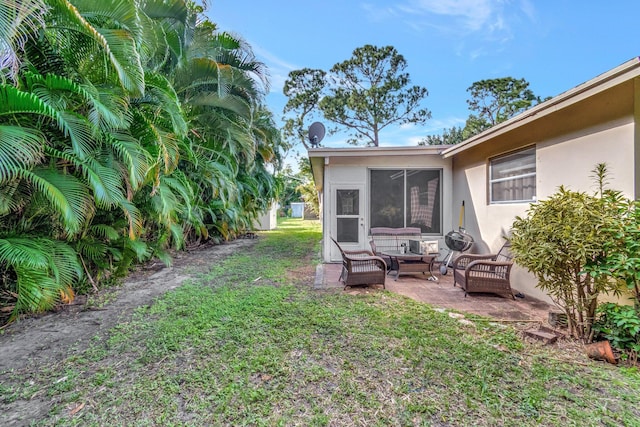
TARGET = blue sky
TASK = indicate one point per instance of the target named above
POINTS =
(448, 44)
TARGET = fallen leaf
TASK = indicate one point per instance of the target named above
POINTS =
(76, 409)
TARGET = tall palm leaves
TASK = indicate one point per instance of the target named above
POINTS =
(126, 126)
(55, 171)
(18, 20)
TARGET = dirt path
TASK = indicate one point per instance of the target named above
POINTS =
(35, 343)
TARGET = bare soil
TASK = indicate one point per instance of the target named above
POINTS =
(35, 343)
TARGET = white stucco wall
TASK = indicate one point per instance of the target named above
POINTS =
(562, 160)
(354, 170)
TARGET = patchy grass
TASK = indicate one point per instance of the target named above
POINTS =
(250, 343)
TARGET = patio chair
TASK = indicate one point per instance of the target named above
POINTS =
(485, 273)
(361, 267)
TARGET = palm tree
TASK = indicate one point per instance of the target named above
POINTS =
(61, 112)
(126, 127)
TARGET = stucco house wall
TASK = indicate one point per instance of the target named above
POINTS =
(351, 166)
(563, 160)
(596, 123)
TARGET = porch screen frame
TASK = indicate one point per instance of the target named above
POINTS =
(420, 201)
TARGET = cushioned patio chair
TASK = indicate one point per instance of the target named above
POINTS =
(361, 267)
(485, 273)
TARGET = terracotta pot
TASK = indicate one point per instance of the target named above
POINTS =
(600, 350)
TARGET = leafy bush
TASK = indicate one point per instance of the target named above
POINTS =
(558, 238)
(620, 324)
(620, 258)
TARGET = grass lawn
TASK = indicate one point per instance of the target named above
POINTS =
(251, 343)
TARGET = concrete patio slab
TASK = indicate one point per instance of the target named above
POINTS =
(443, 294)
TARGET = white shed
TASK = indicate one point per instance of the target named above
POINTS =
(268, 220)
(297, 210)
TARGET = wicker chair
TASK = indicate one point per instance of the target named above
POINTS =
(484, 273)
(361, 267)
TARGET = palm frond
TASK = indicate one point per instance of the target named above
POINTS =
(231, 50)
(104, 231)
(12, 199)
(162, 144)
(14, 101)
(133, 155)
(177, 236)
(64, 263)
(93, 250)
(43, 268)
(121, 14)
(174, 10)
(134, 218)
(80, 132)
(167, 100)
(54, 90)
(165, 202)
(21, 148)
(139, 248)
(37, 291)
(66, 194)
(119, 44)
(19, 20)
(29, 253)
(232, 103)
(105, 183)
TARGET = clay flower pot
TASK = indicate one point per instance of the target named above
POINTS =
(600, 350)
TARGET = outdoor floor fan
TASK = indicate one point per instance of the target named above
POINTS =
(456, 241)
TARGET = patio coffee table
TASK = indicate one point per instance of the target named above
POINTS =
(412, 263)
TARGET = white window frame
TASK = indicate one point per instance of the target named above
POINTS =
(492, 181)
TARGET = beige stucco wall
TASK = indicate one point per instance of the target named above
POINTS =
(565, 159)
(354, 170)
(570, 159)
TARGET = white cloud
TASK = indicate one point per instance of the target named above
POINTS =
(473, 14)
(272, 59)
(378, 14)
(477, 27)
(492, 18)
(278, 68)
(528, 9)
(436, 126)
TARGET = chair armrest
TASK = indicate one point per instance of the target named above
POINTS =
(461, 261)
(359, 253)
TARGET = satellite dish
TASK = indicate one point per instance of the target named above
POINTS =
(316, 133)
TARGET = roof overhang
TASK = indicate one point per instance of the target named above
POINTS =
(620, 79)
(623, 73)
(319, 157)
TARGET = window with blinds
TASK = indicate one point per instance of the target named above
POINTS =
(512, 177)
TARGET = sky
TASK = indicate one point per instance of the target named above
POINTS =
(448, 44)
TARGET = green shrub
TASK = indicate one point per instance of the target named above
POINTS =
(558, 238)
(620, 259)
(620, 324)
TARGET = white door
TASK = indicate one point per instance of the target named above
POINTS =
(347, 218)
